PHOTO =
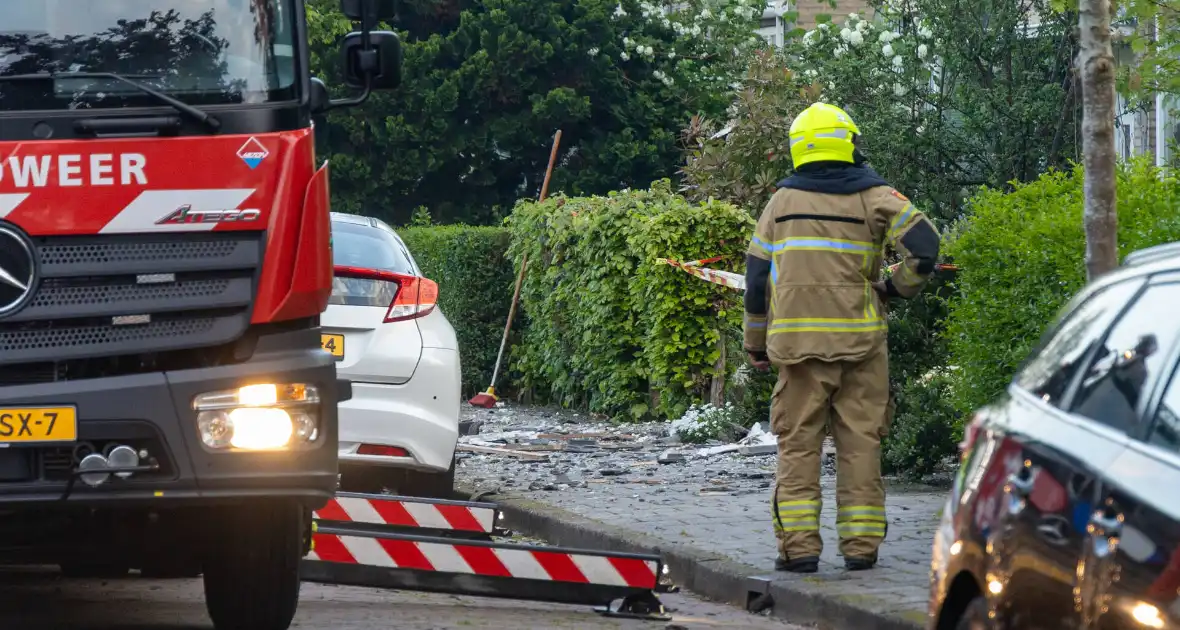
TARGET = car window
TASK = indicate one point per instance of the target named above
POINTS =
(1050, 370)
(368, 247)
(1165, 431)
(1130, 357)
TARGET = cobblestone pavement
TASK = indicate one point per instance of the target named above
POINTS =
(43, 601)
(730, 514)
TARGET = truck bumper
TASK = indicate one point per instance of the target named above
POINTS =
(153, 412)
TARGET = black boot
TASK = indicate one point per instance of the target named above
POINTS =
(860, 563)
(805, 564)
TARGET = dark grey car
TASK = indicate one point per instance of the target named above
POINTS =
(1066, 511)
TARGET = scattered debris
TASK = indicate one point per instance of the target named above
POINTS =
(758, 449)
(525, 449)
(672, 457)
(491, 450)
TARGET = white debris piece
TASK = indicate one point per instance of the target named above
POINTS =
(717, 450)
(758, 436)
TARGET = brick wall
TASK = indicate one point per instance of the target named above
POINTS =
(808, 9)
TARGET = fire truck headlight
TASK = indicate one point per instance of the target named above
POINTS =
(258, 417)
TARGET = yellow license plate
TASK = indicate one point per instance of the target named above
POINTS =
(333, 345)
(38, 424)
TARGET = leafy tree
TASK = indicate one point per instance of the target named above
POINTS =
(486, 82)
(948, 97)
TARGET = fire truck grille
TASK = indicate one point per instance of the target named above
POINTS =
(126, 295)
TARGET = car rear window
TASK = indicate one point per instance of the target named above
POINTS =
(368, 247)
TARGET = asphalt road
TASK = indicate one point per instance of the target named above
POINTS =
(43, 600)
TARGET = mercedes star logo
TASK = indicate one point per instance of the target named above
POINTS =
(18, 270)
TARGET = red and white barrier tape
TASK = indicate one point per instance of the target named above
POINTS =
(533, 564)
(737, 280)
(408, 514)
(716, 276)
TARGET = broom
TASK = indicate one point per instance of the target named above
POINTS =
(488, 399)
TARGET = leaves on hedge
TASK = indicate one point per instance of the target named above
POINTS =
(475, 289)
(1022, 257)
(608, 326)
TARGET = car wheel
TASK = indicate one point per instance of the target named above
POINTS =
(400, 481)
(976, 616)
(252, 574)
(427, 485)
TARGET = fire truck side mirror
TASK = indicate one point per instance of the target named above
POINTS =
(356, 10)
(378, 66)
(320, 99)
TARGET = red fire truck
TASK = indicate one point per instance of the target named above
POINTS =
(165, 254)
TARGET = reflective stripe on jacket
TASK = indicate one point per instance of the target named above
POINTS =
(824, 251)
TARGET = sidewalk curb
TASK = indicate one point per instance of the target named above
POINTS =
(796, 599)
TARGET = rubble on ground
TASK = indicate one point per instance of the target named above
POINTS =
(513, 448)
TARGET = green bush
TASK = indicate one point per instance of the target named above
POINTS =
(609, 326)
(925, 426)
(475, 282)
(1022, 257)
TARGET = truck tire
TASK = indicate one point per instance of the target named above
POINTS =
(252, 568)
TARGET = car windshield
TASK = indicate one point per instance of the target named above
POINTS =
(203, 52)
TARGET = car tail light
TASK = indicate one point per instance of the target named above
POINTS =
(384, 451)
(405, 296)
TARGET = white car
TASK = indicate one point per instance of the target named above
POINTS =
(383, 325)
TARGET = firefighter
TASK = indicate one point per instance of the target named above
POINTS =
(815, 309)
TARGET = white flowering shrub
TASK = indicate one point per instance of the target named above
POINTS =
(705, 422)
(863, 61)
(696, 45)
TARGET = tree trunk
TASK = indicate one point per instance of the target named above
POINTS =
(1096, 61)
(717, 387)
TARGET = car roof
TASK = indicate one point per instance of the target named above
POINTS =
(1147, 255)
(356, 219)
(1141, 263)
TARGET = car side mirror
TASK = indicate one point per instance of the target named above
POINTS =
(356, 10)
(377, 66)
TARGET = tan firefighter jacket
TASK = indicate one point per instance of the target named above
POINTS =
(810, 264)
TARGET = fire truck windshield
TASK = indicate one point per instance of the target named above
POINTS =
(203, 52)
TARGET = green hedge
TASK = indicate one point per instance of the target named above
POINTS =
(475, 289)
(609, 327)
(923, 419)
(1022, 257)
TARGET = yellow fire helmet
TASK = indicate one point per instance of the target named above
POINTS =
(822, 133)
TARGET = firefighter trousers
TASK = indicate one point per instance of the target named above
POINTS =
(854, 397)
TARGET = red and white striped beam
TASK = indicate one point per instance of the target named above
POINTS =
(405, 512)
(496, 560)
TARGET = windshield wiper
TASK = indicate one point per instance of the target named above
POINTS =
(179, 105)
